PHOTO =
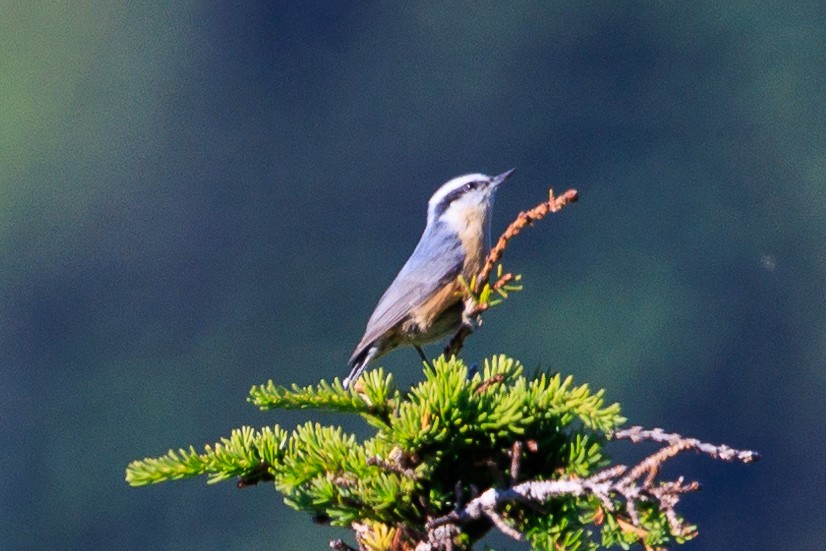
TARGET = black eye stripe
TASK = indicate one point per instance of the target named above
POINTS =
(454, 195)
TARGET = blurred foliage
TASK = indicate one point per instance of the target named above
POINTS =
(167, 170)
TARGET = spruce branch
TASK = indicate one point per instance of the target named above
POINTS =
(375, 400)
(605, 485)
(537, 445)
(523, 219)
(725, 453)
(339, 545)
(244, 454)
(477, 293)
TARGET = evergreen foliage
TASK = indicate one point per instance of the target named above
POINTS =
(435, 447)
(460, 453)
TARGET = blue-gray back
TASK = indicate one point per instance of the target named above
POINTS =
(436, 261)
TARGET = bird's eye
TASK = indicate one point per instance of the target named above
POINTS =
(470, 186)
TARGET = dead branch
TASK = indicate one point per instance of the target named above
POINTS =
(392, 467)
(524, 218)
(473, 308)
(724, 453)
(632, 486)
(339, 545)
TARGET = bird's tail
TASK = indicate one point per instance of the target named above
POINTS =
(358, 363)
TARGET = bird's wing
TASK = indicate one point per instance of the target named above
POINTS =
(433, 264)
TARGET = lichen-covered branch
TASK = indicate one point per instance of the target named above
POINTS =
(631, 487)
(722, 452)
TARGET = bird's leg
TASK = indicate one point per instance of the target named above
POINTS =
(423, 356)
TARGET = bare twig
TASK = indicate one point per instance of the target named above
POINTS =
(500, 523)
(261, 473)
(628, 527)
(725, 453)
(493, 468)
(607, 485)
(516, 461)
(498, 378)
(440, 538)
(392, 467)
(525, 218)
(339, 545)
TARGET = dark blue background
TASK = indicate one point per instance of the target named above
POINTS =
(202, 196)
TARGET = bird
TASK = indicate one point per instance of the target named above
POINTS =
(424, 302)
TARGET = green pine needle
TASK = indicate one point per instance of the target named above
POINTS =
(241, 454)
(456, 426)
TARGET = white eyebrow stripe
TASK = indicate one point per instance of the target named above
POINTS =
(450, 186)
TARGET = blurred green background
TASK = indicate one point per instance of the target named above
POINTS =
(197, 197)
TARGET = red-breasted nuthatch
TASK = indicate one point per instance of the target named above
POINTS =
(424, 303)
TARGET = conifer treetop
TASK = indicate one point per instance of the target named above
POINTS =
(467, 450)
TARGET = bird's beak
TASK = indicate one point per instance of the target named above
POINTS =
(501, 178)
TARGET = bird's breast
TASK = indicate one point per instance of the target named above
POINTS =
(441, 313)
(474, 239)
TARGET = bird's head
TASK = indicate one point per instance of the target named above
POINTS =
(464, 198)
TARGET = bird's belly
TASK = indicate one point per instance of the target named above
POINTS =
(447, 322)
(438, 316)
